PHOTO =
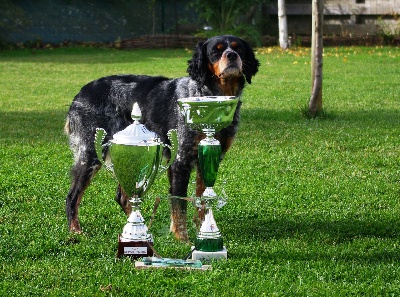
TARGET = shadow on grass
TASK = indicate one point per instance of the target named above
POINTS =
(305, 238)
(91, 55)
(30, 126)
(20, 125)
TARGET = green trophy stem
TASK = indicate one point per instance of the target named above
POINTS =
(209, 238)
(209, 152)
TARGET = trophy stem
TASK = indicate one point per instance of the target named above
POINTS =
(209, 153)
(210, 132)
(136, 203)
(134, 240)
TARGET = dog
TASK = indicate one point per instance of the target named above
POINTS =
(219, 67)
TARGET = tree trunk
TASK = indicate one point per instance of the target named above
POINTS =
(283, 31)
(315, 104)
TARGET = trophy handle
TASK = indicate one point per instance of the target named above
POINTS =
(99, 137)
(173, 138)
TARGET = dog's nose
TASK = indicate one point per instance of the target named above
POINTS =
(231, 55)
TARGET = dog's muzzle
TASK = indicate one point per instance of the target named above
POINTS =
(230, 64)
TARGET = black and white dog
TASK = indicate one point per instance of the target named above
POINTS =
(219, 66)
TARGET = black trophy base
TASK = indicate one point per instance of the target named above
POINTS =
(135, 249)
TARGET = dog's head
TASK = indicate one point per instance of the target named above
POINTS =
(222, 57)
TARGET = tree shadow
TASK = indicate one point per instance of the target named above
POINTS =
(316, 239)
(295, 115)
(95, 55)
(30, 126)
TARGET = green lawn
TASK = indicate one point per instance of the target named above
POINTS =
(313, 205)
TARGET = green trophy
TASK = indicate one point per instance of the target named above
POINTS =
(209, 115)
(135, 155)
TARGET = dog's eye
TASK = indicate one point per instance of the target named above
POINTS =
(215, 53)
(239, 50)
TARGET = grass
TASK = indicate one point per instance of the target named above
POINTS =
(313, 205)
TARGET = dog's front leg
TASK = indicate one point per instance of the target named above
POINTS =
(200, 187)
(123, 201)
(178, 219)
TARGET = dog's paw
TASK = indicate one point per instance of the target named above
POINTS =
(182, 236)
(75, 228)
(180, 232)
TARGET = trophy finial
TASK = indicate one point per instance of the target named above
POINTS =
(136, 113)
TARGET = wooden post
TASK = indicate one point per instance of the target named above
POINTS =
(315, 104)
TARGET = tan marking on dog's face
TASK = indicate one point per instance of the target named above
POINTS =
(214, 68)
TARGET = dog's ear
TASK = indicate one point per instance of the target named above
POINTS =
(250, 64)
(198, 65)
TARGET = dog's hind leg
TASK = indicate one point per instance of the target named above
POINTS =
(82, 174)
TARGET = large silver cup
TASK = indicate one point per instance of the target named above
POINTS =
(209, 115)
(135, 157)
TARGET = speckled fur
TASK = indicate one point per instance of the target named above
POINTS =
(107, 103)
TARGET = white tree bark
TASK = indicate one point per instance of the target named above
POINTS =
(282, 23)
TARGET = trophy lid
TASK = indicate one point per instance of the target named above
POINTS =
(136, 133)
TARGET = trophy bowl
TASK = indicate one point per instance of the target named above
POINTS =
(135, 165)
(208, 112)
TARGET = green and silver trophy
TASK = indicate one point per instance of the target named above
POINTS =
(135, 156)
(209, 115)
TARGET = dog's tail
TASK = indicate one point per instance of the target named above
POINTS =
(67, 129)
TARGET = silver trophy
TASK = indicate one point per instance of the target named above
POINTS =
(209, 115)
(135, 156)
